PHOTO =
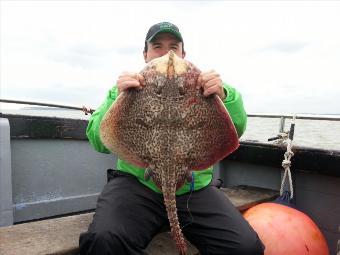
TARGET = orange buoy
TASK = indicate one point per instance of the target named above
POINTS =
(286, 231)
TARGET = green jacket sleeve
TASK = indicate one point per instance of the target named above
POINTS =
(233, 103)
(92, 130)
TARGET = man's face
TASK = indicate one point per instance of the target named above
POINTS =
(161, 45)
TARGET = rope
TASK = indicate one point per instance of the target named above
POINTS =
(287, 138)
(286, 163)
(87, 110)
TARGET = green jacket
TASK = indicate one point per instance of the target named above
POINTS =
(234, 105)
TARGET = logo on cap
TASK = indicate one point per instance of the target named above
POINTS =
(165, 25)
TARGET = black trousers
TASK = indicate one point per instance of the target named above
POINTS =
(129, 215)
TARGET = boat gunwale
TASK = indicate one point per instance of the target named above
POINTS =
(316, 160)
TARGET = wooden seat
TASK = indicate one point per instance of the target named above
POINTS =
(60, 235)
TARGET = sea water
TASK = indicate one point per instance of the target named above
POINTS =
(320, 134)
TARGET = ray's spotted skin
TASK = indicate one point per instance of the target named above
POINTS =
(169, 128)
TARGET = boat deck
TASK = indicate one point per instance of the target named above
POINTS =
(60, 235)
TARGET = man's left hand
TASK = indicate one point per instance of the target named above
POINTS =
(211, 83)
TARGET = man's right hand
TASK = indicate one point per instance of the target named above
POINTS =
(130, 80)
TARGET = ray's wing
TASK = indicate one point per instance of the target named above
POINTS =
(120, 131)
(212, 132)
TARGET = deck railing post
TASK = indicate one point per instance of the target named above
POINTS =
(282, 124)
(6, 201)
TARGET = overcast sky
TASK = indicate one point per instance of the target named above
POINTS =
(282, 56)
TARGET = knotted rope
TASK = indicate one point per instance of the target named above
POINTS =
(286, 163)
(87, 110)
(287, 138)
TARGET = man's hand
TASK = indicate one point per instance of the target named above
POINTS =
(130, 80)
(211, 83)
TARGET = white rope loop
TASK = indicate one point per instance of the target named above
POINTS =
(286, 163)
(287, 138)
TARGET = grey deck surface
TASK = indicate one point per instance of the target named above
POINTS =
(60, 235)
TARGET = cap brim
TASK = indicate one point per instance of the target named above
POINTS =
(167, 30)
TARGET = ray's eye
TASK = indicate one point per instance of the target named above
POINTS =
(158, 90)
(181, 90)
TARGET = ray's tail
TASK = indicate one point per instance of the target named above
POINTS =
(169, 194)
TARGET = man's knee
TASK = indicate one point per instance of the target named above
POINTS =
(250, 246)
(101, 242)
(243, 245)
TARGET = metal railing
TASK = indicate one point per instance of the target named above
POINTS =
(283, 117)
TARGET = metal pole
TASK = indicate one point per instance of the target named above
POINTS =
(328, 117)
(282, 124)
(44, 104)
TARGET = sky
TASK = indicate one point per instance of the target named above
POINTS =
(282, 56)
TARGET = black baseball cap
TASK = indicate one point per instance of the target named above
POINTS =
(163, 27)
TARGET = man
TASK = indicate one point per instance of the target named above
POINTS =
(130, 210)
